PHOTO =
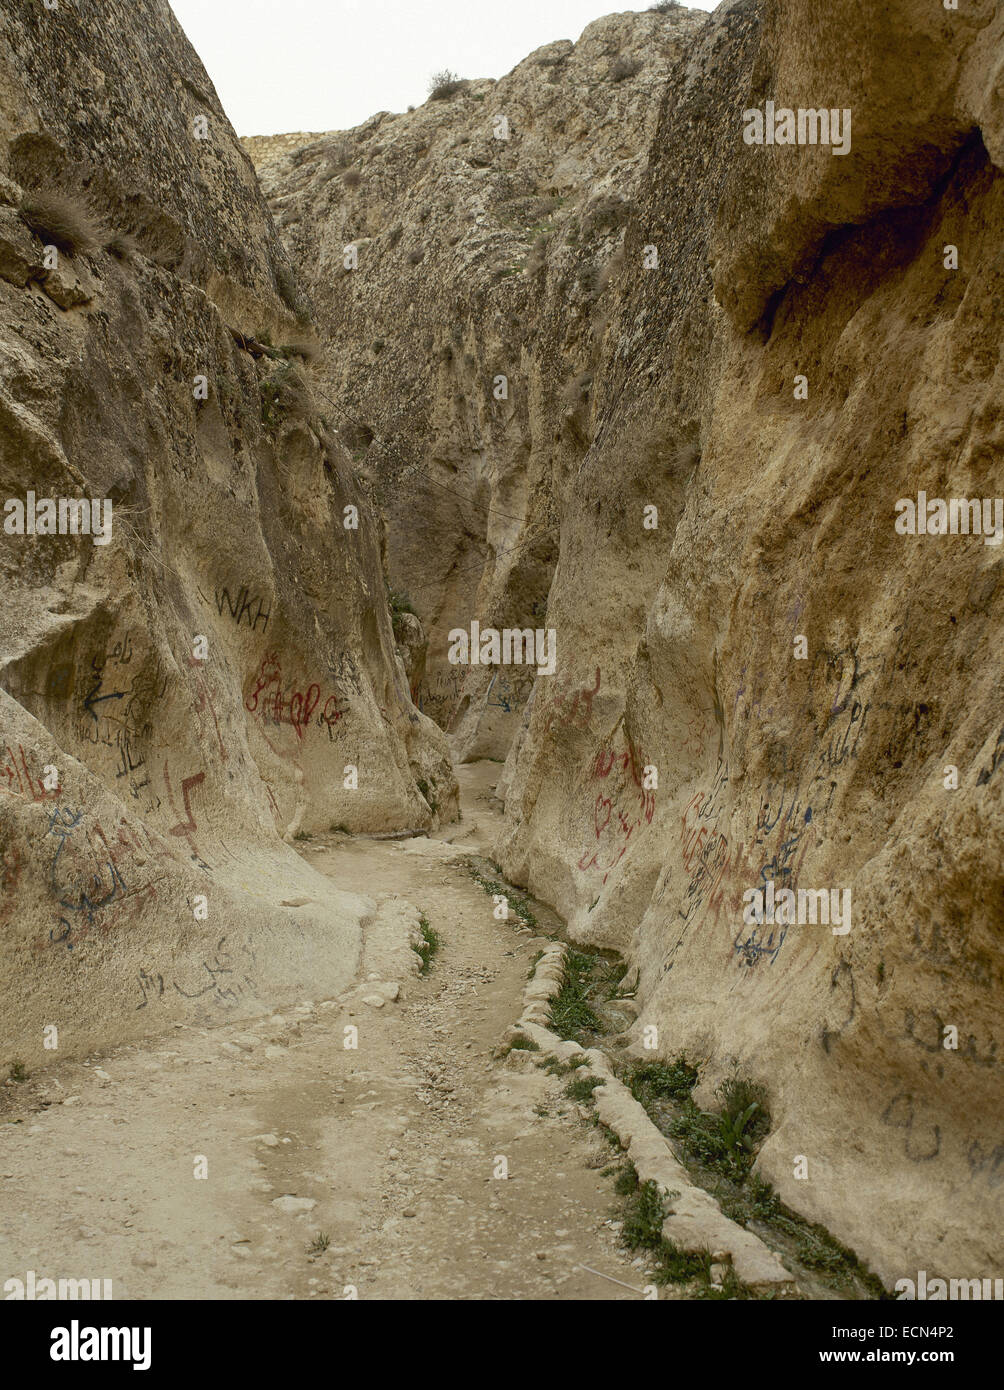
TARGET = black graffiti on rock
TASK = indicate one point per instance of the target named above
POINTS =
(245, 607)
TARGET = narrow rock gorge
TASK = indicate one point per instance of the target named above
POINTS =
(608, 369)
(608, 353)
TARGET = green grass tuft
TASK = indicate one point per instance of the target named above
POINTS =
(650, 1081)
(627, 1180)
(431, 943)
(582, 1087)
(519, 906)
(571, 1013)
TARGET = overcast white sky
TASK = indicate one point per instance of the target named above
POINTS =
(283, 65)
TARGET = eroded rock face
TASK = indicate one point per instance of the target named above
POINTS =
(180, 697)
(487, 230)
(824, 764)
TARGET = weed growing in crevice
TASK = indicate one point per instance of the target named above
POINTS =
(744, 1120)
(648, 1081)
(122, 246)
(519, 906)
(755, 1201)
(571, 1013)
(817, 1250)
(626, 1182)
(399, 602)
(624, 67)
(609, 978)
(591, 979)
(582, 1088)
(304, 346)
(725, 1142)
(430, 944)
(61, 221)
(644, 1214)
(719, 1149)
(643, 1217)
(645, 1210)
(284, 395)
(429, 793)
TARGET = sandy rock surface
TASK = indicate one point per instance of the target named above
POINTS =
(818, 693)
(197, 683)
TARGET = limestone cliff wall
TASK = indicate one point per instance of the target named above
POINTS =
(198, 686)
(823, 763)
(827, 771)
(487, 230)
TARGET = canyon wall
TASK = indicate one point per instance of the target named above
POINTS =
(487, 228)
(725, 363)
(181, 699)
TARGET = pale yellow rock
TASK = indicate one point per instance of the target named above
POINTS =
(653, 330)
(222, 675)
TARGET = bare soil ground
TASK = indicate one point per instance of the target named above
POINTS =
(389, 1150)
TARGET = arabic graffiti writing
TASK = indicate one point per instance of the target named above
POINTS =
(87, 874)
(186, 826)
(622, 806)
(220, 980)
(571, 705)
(504, 693)
(18, 775)
(705, 855)
(116, 711)
(273, 703)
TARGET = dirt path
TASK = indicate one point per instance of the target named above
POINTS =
(390, 1150)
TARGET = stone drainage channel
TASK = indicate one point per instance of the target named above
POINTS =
(790, 1259)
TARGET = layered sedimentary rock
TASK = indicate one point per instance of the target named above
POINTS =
(218, 674)
(773, 688)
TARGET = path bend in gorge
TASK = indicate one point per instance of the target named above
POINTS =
(389, 1149)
